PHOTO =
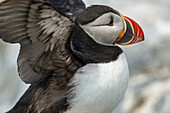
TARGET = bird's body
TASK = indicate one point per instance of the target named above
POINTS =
(68, 54)
(99, 87)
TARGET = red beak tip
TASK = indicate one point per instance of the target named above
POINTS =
(138, 32)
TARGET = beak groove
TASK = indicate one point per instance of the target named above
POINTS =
(131, 34)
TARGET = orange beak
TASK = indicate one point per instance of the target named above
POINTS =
(131, 34)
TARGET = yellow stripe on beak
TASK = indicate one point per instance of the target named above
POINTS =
(124, 28)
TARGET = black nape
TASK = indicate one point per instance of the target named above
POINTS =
(93, 12)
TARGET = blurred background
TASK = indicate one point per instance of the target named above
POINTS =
(149, 61)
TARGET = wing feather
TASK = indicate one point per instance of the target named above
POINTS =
(42, 32)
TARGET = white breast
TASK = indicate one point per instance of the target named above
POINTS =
(99, 87)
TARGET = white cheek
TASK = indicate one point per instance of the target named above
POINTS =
(105, 35)
(102, 33)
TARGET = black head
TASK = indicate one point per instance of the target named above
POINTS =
(102, 23)
(93, 12)
(107, 26)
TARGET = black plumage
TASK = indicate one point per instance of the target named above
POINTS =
(93, 12)
(88, 51)
(70, 8)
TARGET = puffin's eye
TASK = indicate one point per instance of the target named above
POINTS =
(111, 22)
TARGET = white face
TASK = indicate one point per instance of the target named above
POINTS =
(103, 33)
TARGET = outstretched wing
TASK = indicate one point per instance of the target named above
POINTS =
(43, 33)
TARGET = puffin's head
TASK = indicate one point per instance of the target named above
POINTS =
(107, 26)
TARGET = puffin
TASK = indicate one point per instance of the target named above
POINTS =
(69, 54)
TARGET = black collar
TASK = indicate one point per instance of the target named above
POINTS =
(86, 50)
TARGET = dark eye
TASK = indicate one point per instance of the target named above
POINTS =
(111, 22)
